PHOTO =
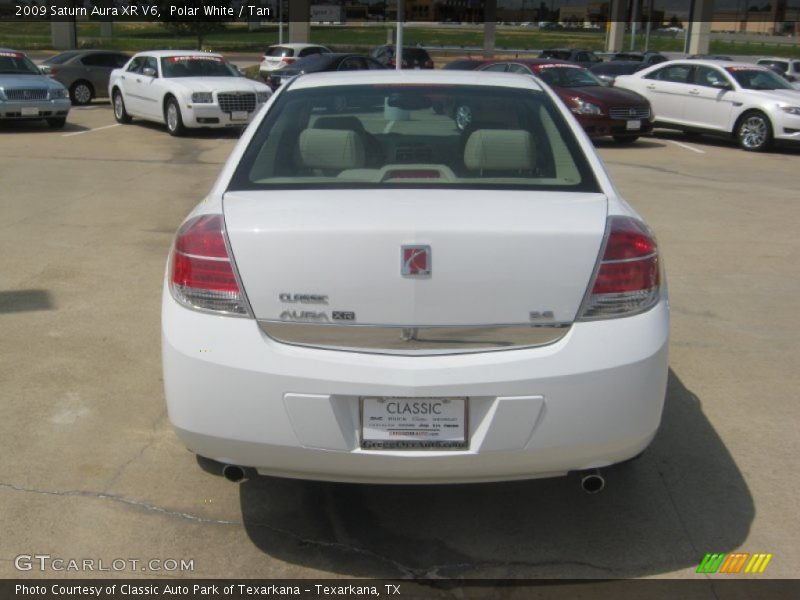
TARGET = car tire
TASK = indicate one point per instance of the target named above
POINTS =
(173, 119)
(81, 93)
(754, 132)
(625, 139)
(57, 122)
(117, 102)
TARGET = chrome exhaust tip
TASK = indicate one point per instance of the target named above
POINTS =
(592, 482)
(233, 473)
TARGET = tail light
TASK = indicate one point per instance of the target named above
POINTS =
(393, 63)
(428, 64)
(627, 280)
(263, 58)
(288, 60)
(53, 71)
(201, 269)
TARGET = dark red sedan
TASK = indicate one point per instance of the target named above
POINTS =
(601, 110)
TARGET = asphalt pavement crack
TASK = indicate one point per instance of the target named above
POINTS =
(431, 572)
(121, 500)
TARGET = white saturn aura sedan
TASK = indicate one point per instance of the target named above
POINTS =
(748, 102)
(370, 293)
(184, 89)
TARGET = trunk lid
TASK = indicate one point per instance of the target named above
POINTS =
(497, 257)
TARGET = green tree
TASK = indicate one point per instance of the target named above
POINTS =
(195, 26)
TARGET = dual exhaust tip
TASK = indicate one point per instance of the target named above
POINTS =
(592, 482)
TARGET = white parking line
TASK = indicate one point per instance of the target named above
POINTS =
(687, 146)
(90, 130)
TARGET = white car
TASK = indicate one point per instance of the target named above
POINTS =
(789, 67)
(749, 102)
(185, 89)
(373, 294)
(280, 55)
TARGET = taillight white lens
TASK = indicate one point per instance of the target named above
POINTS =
(201, 270)
(628, 276)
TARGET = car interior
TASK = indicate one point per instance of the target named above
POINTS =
(402, 138)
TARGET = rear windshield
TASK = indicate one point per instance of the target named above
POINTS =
(559, 54)
(59, 59)
(387, 136)
(279, 51)
(463, 65)
(416, 54)
(197, 66)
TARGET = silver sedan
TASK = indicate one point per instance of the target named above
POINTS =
(26, 94)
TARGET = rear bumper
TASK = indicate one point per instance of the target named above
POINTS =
(591, 399)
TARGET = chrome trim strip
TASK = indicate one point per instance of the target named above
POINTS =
(414, 341)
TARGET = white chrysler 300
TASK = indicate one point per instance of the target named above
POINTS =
(184, 89)
(370, 293)
(746, 101)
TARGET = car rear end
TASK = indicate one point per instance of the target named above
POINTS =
(276, 57)
(413, 58)
(381, 297)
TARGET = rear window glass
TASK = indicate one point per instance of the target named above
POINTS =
(416, 54)
(559, 54)
(279, 51)
(59, 59)
(462, 65)
(382, 136)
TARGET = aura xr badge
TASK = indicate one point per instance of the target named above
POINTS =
(415, 261)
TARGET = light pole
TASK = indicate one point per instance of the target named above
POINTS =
(398, 47)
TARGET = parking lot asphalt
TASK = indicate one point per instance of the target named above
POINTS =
(91, 469)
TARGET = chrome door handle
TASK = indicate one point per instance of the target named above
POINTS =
(651, 87)
(694, 92)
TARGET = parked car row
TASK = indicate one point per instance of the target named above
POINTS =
(600, 109)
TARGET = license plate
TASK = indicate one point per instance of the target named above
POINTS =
(29, 111)
(634, 125)
(413, 423)
(239, 115)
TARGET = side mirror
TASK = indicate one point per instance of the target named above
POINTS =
(149, 72)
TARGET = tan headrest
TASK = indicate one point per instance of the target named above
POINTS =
(331, 149)
(499, 150)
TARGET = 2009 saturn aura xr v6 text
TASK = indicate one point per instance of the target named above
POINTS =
(370, 293)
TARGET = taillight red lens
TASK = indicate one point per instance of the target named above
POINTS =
(628, 278)
(201, 270)
(428, 64)
(288, 60)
